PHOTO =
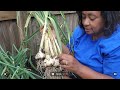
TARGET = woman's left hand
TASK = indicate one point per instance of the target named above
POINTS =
(69, 62)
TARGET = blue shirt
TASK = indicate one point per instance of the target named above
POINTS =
(101, 55)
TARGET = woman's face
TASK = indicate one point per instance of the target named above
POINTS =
(92, 22)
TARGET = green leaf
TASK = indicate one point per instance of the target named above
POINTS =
(56, 31)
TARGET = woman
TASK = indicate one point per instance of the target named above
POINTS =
(96, 46)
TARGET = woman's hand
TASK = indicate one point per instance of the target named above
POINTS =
(69, 63)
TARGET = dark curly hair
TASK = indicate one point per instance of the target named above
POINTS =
(111, 18)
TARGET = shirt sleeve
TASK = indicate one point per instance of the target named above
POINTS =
(110, 50)
(77, 33)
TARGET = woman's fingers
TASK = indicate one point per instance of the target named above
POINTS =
(63, 57)
(63, 62)
(64, 66)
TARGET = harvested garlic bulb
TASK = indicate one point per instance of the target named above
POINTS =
(40, 55)
(47, 57)
(48, 62)
(56, 62)
(50, 47)
(51, 61)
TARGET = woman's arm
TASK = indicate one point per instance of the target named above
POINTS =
(71, 64)
(87, 73)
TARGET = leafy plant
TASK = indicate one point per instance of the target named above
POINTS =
(50, 44)
(12, 65)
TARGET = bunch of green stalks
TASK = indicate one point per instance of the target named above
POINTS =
(13, 65)
(53, 36)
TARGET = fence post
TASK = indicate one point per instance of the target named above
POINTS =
(21, 22)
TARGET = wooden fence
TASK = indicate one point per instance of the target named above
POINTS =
(10, 34)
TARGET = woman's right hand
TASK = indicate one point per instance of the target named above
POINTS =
(69, 62)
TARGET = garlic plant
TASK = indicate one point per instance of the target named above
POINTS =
(50, 45)
(49, 48)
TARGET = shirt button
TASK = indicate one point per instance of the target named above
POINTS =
(115, 73)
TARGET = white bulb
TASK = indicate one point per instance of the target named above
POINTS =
(39, 55)
(56, 62)
(47, 56)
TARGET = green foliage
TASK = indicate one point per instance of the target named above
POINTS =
(46, 18)
(12, 65)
